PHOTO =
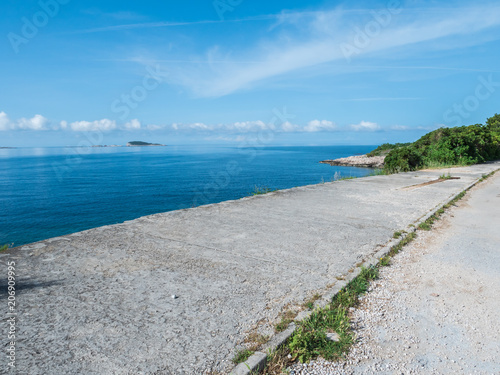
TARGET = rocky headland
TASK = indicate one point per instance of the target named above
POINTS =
(358, 161)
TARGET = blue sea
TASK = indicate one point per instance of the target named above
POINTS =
(49, 192)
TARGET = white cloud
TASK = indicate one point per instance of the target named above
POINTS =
(98, 125)
(226, 131)
(4, 121)
(154, 127)
(251, 126)
(288, 127)
(365, 126)
(319, 126)
(133, 125)
(37, 122)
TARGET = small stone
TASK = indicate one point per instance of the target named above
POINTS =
(333, 336)
(174, 296)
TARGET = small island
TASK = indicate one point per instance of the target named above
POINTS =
(143, 144)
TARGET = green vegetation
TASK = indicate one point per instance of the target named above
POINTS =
(242, 356)
(378, 172)
(445, 176)
(141, 143)
(309, 304)
(384, 149)
(444, 147)
(3, 248)
(397, 234)
(424, 226)
(493, 123)
(260, 190)
(310, 338)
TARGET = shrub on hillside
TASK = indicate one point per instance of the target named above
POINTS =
(403, 159)
(463, 145)
(386, 148)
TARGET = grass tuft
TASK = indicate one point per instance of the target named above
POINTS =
(286, 318)
(424, 226)
(445, 176)
(310, 339)
(242, 355)
(309, 304)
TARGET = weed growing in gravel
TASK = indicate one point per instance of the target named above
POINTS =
(286, 318)
(310, 339)
(242, 355)
(277, 362)
(445, 176)
(396, 235)
(3, 248)
(397, 248)
(385, 261)
(309, 304)
(256, 340)
(485, 176)
(424, 226)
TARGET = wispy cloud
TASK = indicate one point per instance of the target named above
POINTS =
(300, 41)
(153, 25)
(379, 99)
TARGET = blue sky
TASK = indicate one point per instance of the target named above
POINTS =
(237, 71)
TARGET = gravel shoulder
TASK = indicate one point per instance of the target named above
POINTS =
(435, 309)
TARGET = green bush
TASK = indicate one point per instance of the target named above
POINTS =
(402, 159)
(493, 123)
(386, 148)
(464, 145)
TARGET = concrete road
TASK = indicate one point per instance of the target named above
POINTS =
(100, 301)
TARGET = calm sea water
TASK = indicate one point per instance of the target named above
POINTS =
(48, 192)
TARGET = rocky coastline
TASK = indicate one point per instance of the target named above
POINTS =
(358, 161)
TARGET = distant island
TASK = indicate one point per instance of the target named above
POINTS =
(142, 144)
(132, 144)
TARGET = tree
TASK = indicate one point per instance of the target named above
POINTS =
(493, 123)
